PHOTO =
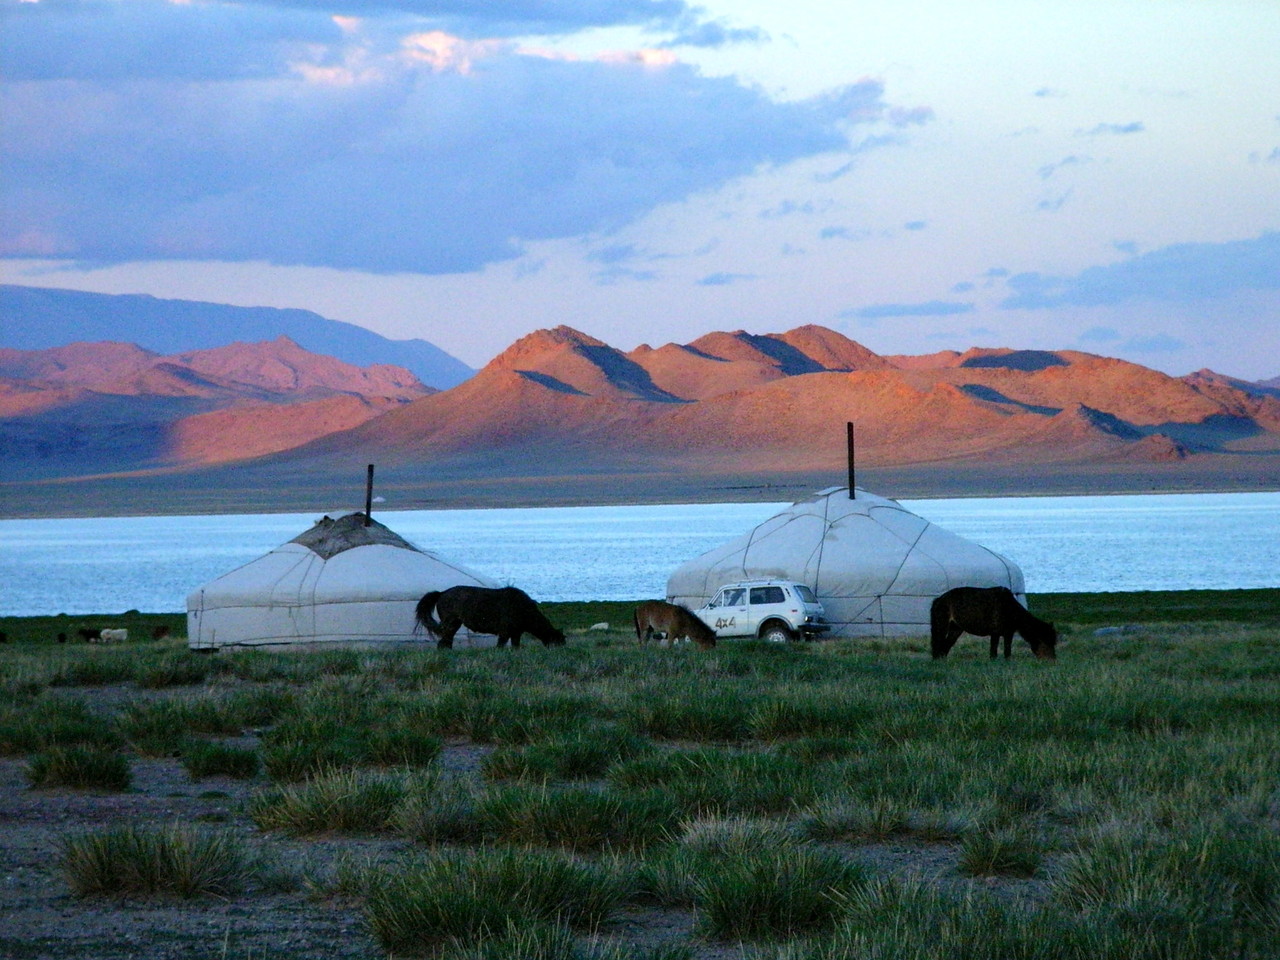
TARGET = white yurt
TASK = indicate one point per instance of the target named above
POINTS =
(344, 581)
(874, 564)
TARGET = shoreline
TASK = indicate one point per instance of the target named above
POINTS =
(416, 488)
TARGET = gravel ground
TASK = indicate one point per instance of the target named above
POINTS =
(41, 918)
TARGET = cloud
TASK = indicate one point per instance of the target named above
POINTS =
(715, 33)
(914, 225)
(512, 17)
(614, 253)
(788, 208)
(1049, 169)
(386, 146)
(616, 274)
(1054, 204)
(910, 116)
(841, 233)
(110, 41)
(723, 279)
(931, 308)
(1112, 129)
(1183, 273)
(1099, 335)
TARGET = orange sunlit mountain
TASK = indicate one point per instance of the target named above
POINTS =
(737, 402)
(100, 407)
(559, 402)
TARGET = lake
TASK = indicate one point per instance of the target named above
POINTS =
(1139, 542)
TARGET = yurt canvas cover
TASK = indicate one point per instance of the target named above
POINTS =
(875, 565)
(339, 582)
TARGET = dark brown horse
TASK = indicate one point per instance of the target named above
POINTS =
(506, 612)
(673, 622)
(988, 612)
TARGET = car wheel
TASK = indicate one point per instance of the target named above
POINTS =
(776, 632)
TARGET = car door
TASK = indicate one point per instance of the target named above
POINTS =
(727, 613)
(764, 602)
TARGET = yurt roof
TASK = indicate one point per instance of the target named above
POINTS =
(330, 536)
(338, 557)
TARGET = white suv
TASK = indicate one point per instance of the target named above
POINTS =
(778, 610)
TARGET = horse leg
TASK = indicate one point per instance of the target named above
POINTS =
(995, 644)
(1008, 645)
(515, 639)
(447, 629)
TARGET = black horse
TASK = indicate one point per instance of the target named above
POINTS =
(988, 612)
(505, 611)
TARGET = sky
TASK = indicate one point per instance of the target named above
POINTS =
(919, 175)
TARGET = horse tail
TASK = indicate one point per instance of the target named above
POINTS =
(939, 620)
(635, 618)
(426, 606)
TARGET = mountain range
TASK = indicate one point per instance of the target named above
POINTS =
(563, 417)
(93, 408)
(738, 401)
(37, 318)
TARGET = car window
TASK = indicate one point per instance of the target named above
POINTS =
(805, 593)
(733, 597)
(766, 595)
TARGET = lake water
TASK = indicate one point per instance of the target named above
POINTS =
(1141, 542)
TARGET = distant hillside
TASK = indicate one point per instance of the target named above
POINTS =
(90, 408)
(738, 403)
(38, 318)
(561, 417)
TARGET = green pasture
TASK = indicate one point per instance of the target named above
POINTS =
(848, 798)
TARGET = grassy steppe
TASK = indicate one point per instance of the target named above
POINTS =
(838, 799)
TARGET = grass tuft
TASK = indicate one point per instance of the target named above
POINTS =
(83, 768)
(50, 721)
(1002, 851)
(204, 759)
(467, 898)
(581, 755)
(134, 861)
(576, 818)
(343, 801)
(774, 894)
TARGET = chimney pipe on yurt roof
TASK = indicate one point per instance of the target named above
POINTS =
(849, 452)
(368, 497)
